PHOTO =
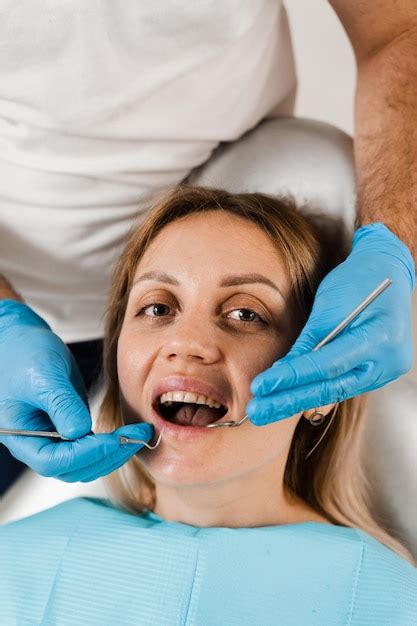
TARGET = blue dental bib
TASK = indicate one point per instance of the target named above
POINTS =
(85, 562)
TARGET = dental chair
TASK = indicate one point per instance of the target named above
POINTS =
(313, 162)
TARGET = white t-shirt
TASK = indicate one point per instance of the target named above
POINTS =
(102, 105)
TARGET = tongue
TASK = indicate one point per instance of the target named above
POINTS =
(195, 415)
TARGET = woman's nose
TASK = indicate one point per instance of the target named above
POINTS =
(192, 339)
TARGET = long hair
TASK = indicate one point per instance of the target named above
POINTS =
(331, 479)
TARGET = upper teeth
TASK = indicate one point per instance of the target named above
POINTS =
(188, 396)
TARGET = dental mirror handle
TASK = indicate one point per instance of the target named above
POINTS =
(33, 433)
(53, 435)
(338, 329)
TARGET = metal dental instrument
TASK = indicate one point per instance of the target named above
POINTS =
(126, 440)
(53, 435)
(33, 433)
(129, 440)
(338, 329)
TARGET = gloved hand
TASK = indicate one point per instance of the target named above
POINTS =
(39, 378)
(374, 349)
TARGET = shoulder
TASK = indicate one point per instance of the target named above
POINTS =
(375, 552)
(378, 585)
(49, 531)
(62, 517)
(35, 550)
(386, 585)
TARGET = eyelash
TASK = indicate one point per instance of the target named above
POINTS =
(259, 321)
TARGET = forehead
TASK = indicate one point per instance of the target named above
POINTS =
(213, 242)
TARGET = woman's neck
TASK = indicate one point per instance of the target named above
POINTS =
(256, 499)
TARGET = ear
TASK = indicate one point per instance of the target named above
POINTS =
(323, 409)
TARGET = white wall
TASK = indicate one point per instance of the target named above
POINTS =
(325, 63)
(327, 74)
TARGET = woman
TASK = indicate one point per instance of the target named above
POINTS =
(249, 525)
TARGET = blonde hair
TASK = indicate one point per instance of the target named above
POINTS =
(331, 480)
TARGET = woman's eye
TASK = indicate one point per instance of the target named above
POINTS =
(249, 316)
(157, 310)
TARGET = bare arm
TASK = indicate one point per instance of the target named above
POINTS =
(7, 291)
(384, 38)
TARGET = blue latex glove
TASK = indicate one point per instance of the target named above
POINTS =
(41, 387)
(373, 350)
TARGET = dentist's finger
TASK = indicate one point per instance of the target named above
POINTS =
(339, 357)
(66, 409)
(269, 409)
(110, 464)
(56, 458)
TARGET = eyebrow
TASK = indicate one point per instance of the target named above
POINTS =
(228, 281)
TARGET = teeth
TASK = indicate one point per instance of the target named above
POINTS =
(169, 397)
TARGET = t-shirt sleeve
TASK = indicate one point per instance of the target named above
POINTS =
(386, 589)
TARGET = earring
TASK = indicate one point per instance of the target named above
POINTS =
(315, 422)
(319, 420)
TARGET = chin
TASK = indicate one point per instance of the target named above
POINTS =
(181, 471)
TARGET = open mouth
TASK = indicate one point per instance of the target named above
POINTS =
(190, 413)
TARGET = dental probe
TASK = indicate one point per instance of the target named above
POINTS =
(127, 440)
(338, 329)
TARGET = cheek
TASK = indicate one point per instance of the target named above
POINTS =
(265, 443)
(259, 358)
(131, 363)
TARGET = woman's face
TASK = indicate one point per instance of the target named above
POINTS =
(199, 329)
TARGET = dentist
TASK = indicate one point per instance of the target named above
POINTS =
(103, 106)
